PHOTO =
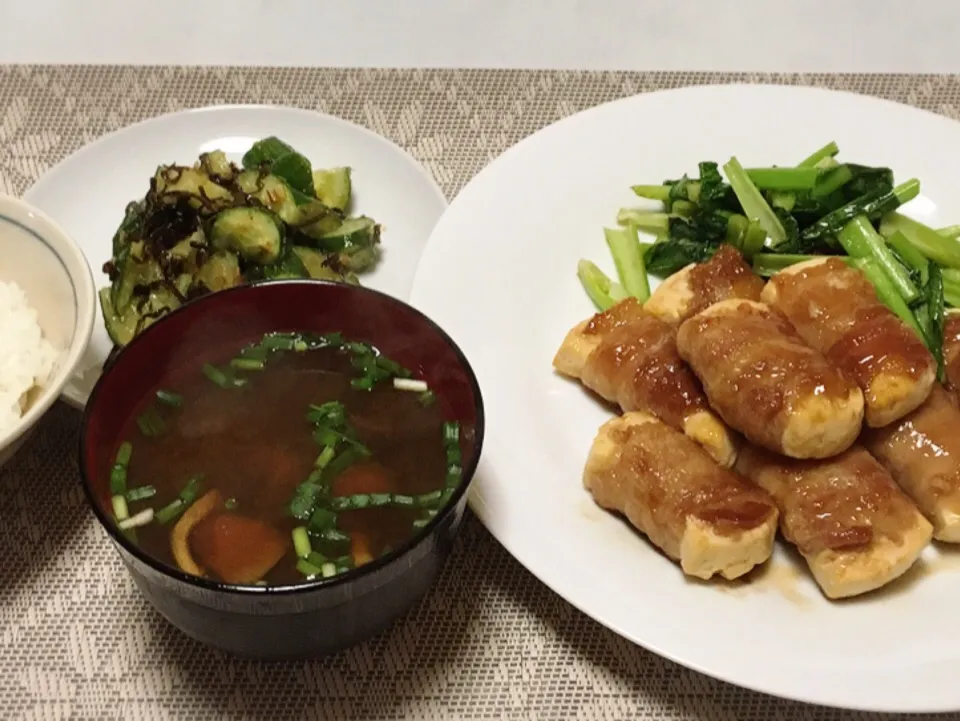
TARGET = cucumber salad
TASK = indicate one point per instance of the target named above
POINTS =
(213, 225)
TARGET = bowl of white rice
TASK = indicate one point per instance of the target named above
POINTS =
(47, 307)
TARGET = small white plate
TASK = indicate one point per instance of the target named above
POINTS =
(88, 192)
(499, 274)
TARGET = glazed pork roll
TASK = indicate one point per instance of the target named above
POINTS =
(922, 453)
(707, 518)
(854, 527)
(951, 349)
(699, 285)
(764, 381)
(836, 311)
(629, 357)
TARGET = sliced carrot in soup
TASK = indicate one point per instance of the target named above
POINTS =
(236, 548)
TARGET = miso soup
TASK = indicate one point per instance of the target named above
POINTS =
(301, 457)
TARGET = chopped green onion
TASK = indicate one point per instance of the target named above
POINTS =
(118, 474)
(308, 569)
(451, 432)
(427, 499)
(141, 493)
(322, 519)
(301, 542)
(362, 384)
(409, 384)
(150, 423)
(331, 413)
(192, 489)
(120, 511)
(328, 570)
(315, 559)
(454, 476)
(255, 352)
(170, 398)
(247, 364)
(230, 504)
(135, 521)
(392, 367)
(326, 455)
(222, 379)
(304, 499)
(427, 398)
(170, 511)
(279, 341)
(421, 523)
(333, 535)
(454, 454)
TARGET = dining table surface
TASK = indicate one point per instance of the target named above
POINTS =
(455, 84)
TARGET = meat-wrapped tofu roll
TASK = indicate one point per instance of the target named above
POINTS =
(707, 518)
(699, 285)
(765, 382)
(922, 453)
(836, 311)
(849, 520)
(629, 357)
(951, 349)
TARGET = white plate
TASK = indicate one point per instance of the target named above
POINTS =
(87, 192)
(499, 274)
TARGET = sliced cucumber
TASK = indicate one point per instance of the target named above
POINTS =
(290, 266)
(217, 166)
(221, 270)
(318, 268)
(272, 192)
(316, 219)
(174, 182)
(133, 272)
(333, 187)
(130, 227)
(253, 233)
(120, 328)
(360, 231)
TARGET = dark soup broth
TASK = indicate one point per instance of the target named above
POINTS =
(301, 457)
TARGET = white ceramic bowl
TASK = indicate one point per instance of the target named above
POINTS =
(39, 256)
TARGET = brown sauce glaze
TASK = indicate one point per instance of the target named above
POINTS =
(839, 504)
(922, 452)
(726, 275)
(661, 478)
(836, 310)
(637, 366)
(755, 369)
(951, 349)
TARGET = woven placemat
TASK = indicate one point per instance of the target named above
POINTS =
(491, 642)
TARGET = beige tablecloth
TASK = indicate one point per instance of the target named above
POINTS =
(77, 641)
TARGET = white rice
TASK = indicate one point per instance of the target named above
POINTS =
(27, 359)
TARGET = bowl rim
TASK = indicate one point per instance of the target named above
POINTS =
(84, 290)
(354, 574)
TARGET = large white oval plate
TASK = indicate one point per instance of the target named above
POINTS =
(88, 191)
(499, 275)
